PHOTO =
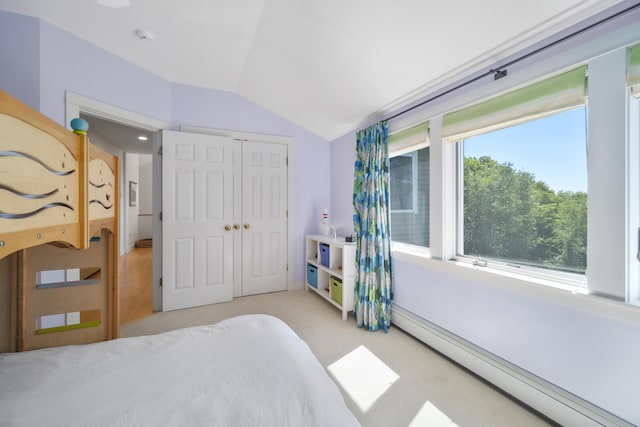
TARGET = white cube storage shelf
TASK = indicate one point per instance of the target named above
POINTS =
(341, 265)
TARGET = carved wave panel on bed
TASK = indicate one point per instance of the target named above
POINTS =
(102, 190)
(39, 186)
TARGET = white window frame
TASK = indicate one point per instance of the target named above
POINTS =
(633, 197)
(609, 272)
(544, 275)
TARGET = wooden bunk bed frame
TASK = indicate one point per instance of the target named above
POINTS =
(59, 216)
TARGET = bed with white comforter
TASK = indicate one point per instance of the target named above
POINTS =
(246, 371)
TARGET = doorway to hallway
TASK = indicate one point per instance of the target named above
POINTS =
(136, 296)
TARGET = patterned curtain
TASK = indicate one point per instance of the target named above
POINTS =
(373, 286)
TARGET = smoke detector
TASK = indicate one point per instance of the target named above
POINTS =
(144, 35)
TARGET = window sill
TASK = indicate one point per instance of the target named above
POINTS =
(405, 248)
(545, 290)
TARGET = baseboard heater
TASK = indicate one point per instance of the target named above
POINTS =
(541, 395)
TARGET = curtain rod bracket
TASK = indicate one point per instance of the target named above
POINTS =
(498, 74)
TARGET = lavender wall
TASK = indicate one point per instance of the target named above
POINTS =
(590, 355)
(70, 63)
(19, 59)
(343, 157)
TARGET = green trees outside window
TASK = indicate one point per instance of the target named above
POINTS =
(510, 216)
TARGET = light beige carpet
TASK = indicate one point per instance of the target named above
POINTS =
(405, 383)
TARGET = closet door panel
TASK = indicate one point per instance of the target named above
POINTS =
(197, 219)
(264, 211)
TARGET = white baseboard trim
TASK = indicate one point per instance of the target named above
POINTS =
(550, 400)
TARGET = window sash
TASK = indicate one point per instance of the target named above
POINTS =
(505, 260)
(535, 101)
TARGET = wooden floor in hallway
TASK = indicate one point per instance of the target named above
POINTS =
(136, 297)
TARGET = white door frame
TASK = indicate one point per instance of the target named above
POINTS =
(77, 104)
(273, 139)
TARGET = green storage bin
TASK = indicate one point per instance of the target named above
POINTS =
(336, 289)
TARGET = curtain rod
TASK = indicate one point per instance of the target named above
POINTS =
(501, 71)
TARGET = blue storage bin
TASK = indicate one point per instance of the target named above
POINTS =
(312, 275)
(324, 254)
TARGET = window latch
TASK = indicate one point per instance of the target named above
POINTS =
(480, 262)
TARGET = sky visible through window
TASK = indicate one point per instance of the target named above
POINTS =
(553, 149)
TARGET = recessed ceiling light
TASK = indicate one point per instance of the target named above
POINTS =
(142, 138)
(144, 35)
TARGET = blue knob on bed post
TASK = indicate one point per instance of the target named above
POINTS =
(79, 126)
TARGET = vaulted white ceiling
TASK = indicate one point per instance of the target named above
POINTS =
(325, 65)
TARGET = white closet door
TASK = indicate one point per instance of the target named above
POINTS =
(264, 217)
(197, 208)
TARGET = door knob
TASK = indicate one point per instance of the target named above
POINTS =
(236, 226)
(247, 226)
(227, 227)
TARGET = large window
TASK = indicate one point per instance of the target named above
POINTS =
(525, 194)
(509, 181)
(522, 178)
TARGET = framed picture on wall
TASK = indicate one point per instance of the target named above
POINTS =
(133, 193)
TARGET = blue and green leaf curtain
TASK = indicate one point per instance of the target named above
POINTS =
(373, 284)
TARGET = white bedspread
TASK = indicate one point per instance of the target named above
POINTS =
(245, 371)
